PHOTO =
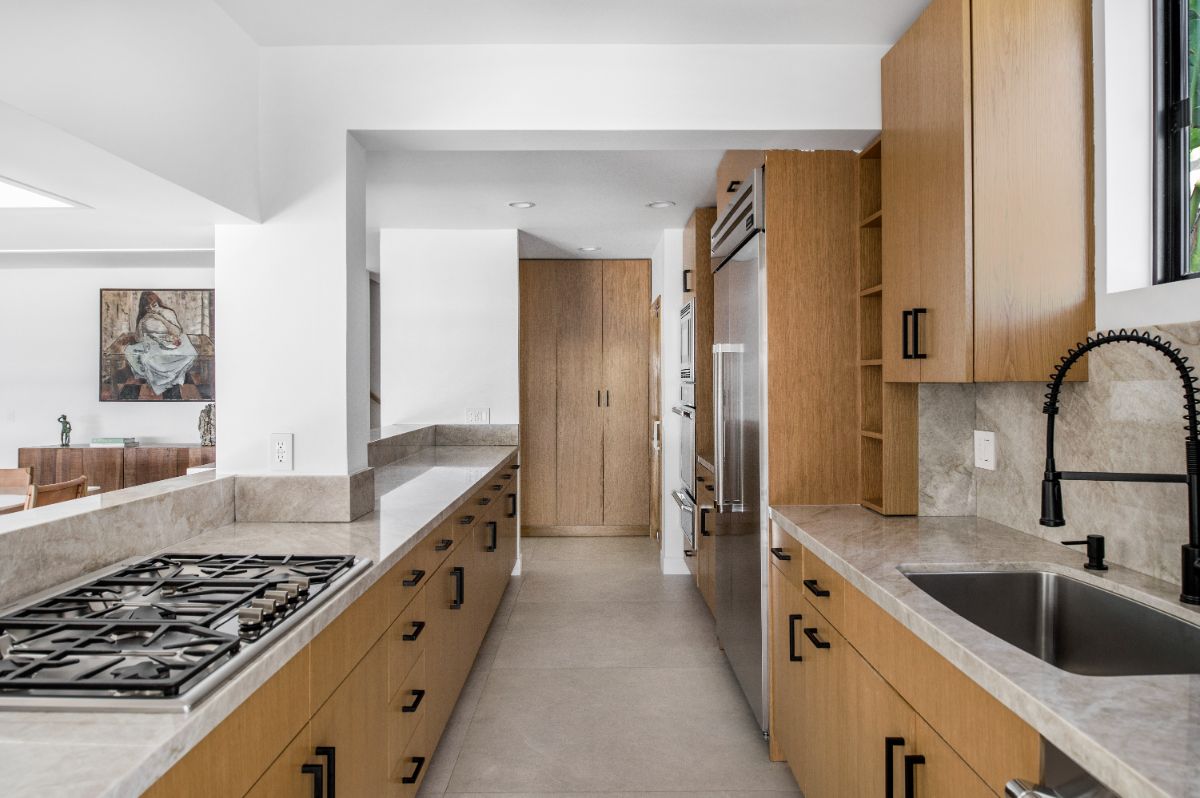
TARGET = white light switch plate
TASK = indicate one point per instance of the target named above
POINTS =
(281, 451)
(479, 415)
(985, 450)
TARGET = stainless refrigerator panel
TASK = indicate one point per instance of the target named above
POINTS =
(738, 380)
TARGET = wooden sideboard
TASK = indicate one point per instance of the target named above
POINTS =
(114, 468)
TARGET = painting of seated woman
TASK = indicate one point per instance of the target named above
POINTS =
(157, 345)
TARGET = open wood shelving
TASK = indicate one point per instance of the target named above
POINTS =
(887, 412)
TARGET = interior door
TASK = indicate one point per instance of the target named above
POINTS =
(625, 356)
(538, 283)
(580, 416)
(654, 411)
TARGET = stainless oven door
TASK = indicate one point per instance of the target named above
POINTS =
(687, 343)
(687, 521)
(687, 447)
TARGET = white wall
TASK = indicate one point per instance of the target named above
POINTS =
(449, 308)
(50, 326)
(667, 268)
(1125, 296)
(170, 85)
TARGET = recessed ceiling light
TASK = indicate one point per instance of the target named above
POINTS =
(589, 249)
(523, 204)
(660, 204)
(17, 195)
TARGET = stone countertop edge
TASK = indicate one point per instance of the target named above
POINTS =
(1148, 754)
(186, 730)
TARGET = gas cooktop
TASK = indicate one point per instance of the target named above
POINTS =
(157, 634)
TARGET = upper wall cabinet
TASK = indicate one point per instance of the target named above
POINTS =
(987, 249)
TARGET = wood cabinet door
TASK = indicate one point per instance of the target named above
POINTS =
(445, 647)
(285, 779)
(787, 675)
(538, 283)
(626, 476)
(1033, 194)
(884, 731)
(580, 419)
(102, 466)
(943, 773)
(827, 725)
(354, 723)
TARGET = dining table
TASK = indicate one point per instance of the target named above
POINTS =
(11, 501)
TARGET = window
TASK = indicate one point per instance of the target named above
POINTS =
(1177, 140)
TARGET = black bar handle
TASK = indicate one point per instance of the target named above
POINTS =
(813, 588)
(910, 777)
(485, 501)
(506, 476)
(607, 403)
(780, 554)
(466, 520)
(460, 586)
(916, 340)
(330, 754)
(419, 761)
(811, 634)
(597, 397)
(704, 511)
(904, 323)
(318, 776)
(688, 287)
(889, 768)
(689, 552)
(792, 655)
(495, 487)
(414, 580)
(418, 627)
(418, 696)
(512, 505)
(492, 527)
(443, 544)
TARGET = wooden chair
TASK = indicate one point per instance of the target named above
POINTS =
(42, 495)
(13, 480)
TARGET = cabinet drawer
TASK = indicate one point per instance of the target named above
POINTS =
(438, 544)
(824, 588)
(285, 776)
(410, 768)
(406, 642)
(340, 646)
(786, 554)
(406, 580)
(406, 710)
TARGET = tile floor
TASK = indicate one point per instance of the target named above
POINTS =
(600, 676)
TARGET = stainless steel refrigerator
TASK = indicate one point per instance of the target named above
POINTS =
(739, 418)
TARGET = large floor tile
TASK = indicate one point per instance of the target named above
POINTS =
(635, 551)
(604, 634)
(657, 794)
(614, 730)
(573, 580)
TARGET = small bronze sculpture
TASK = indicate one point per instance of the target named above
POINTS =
(65, 435)
(208, 425)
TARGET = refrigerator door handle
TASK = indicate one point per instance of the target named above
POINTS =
(718, 427)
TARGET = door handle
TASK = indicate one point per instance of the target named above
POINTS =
(718, 425)
(792, 655)
(418, 697)
(411, 778)
(704, 511)
(597, 397)
(811, 634)
(330, 755)
(813, 588)
(512, 505)
(418, 627)
(910, 777)
(318, 779)
(916, 339)
(606, 402)
(780, 554)
(460, 586)
(889, 774)
(491, 531)
(905, 321)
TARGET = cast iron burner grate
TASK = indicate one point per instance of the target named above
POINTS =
(200, 601)
(272, 568)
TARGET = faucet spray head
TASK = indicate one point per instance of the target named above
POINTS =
(1052, 503)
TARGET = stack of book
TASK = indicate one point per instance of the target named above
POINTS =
(113, 443)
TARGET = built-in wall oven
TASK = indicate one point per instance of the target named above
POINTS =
(685, 497)
(687, 354)
(687, 447)
(687, 521)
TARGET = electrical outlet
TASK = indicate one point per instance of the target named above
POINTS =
(479, 415)
(985, 450)
(281, 451)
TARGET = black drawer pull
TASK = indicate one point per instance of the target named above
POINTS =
(512, 505)
(905, 316)
(811, 584)
(460, 587)
(811, 634)
(515, 466)
(689, 552)
(415, 579)
(792, 655)
(418, 627)
(916, 337)
(889, 770)
(704, 511)
(443, 544)
(418, 696)
(506, 476)
(485, 501)
(495, 487)
(318, 779)
(419, 761)
(910, 765)
(330, 754)
(466, 520)
(492, 527)
(780, 554)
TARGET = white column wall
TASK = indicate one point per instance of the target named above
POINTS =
(668, 266)
(449, 320)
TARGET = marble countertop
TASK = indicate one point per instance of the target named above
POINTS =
(1140, 735)
(120, 754)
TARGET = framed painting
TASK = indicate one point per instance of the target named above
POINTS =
(157, 345)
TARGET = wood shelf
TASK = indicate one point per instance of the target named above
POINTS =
(874, 220)
(866, 433)
(875, 289)
(870, 363)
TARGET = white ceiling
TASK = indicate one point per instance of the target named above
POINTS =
(351, 22)
(584, 198)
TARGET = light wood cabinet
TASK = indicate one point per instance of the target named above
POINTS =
(697, 248)
(353, 724)
(987, 253)
(584, 442)
(706, 549)
(113, 468)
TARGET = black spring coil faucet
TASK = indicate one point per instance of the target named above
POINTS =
(1052, 503)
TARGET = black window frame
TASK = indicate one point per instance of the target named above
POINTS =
(1172, 156)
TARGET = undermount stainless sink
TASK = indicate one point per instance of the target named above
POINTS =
(1070, 624)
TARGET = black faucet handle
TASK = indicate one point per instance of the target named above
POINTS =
(1095, 551)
